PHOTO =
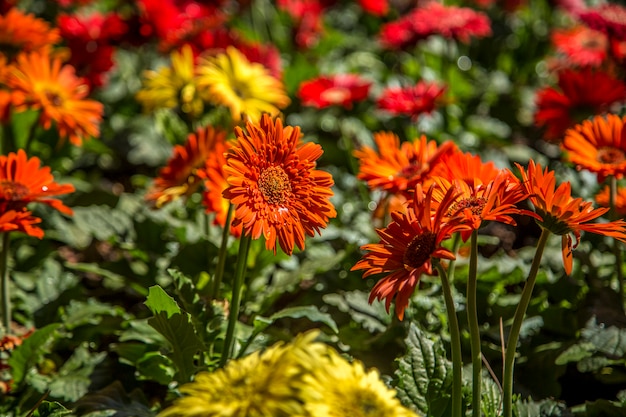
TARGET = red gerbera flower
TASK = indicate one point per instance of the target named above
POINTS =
(24, 181)
(459, 23)
(581, 45)
(411, 101)
(181, 177)
(407, 247)
(375, 7)
(274, 185)
(340, 89)
(583, 93)
(607, 18)
(562, 214)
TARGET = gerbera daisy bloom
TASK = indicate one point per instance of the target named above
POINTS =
(583, 93)
(397, 168)
(261, 384)
(329, 90)
(274, 185)
(407, 246)
(20, 32)
(43, 83)
(411, 101)
(246, 88)
(607, 18)
(19, 221)
(181, 177)
(581, 45)
(459, 23)
(338, 388)
(598, 145)
(375, 7)
(562, 214)
(23, 181)
(483, 191)
(603, 199)
(174, 87)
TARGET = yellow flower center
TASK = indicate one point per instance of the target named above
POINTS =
(418, 251)
(274, 185)
(13, 191)
(609, 155)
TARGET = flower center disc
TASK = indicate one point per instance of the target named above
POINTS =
(54, 98)
(274, 185)
(608, 155)
(418, 251)
(475, 204)
(13, 191)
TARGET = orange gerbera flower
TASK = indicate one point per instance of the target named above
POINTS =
(274, 184)
(19, 221)
(562, 214)
(24, 181)
(398, 168)
(603, 199)
(20, 32)
(407, 246)
(483, 191)
(40, 82)
(598, 145)
(182, 175)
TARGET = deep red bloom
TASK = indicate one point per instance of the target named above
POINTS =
(581, 45)
(340, 89)
(607, 18)
(583, 93)
(407, 247)
(459, 23)
(411, 101)
(375, 7)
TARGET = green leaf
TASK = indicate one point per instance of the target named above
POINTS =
(604, 408)
(424, 375)
(372, 317)
(491, 397)
(25, 356)
(310, 312)
(51, 409)
(79, 313)
(608, 340)
(116, 400)
(156, 367)
(543, 408)
(177, 328)
(72, 380)
(575, 353)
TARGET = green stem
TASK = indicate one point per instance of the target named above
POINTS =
(617, 250)
(221, 257)
(455, 343)
(456, 242)
(242, 261)
(520, 312)
(4, 284)
(472, 319)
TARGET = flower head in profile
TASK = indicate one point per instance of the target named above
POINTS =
(603, 199)
(607, 18)
(40, 82)
(598, 145)
(23, 181)
(274, 185)
(261, 384)
(21, 32)
(422, 98)
(174, 87)
(20, 220)
(407, 247)
(581, 45)
(183, 173)
(338, 388)
(246, 88)
(484, 192)
(397, 168)
(562, 214)
(341, 90)
(583, 93)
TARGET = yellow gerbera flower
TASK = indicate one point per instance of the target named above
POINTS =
(337, 388)
(259, 385)
(173, 87)
(246, 88)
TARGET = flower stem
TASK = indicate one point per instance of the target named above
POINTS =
(221, 257)
(456, 242)
(233, 316)
(4, 284)
(617, 250)
(455, 343)
(518, 319)
(472, 319)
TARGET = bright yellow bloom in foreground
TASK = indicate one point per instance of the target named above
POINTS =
(173, 87)
(246, 88)
(300, 379)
